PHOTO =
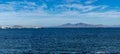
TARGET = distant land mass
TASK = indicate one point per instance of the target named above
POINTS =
(67, 25)
(77, 25)
(18, 26)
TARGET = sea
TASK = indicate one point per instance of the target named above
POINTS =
(60, 41)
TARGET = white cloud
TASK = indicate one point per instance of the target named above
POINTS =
(108, 14)
(6, 7)
(81, 7)
(90, 1)
(12, 6)
(103, 7)
(39, 11)
(22, 2)
(69, 1)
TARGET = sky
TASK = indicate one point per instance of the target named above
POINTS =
(57, 12)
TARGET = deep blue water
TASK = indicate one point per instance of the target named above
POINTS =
(56, 40)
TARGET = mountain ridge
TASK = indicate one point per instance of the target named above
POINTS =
(81, 25)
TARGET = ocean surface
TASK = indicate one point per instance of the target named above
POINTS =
(60, 41)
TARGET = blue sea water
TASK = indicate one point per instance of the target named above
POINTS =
(60, 41)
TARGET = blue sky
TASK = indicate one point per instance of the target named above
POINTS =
(56, 12)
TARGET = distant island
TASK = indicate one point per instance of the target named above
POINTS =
(18, 26)
(67, 25)
(84, 25)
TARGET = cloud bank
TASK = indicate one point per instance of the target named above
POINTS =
(66, 9)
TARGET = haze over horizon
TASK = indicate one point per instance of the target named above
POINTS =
(57, 12)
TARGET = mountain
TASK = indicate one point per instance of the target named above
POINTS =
(81, 25)
(86, 25)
